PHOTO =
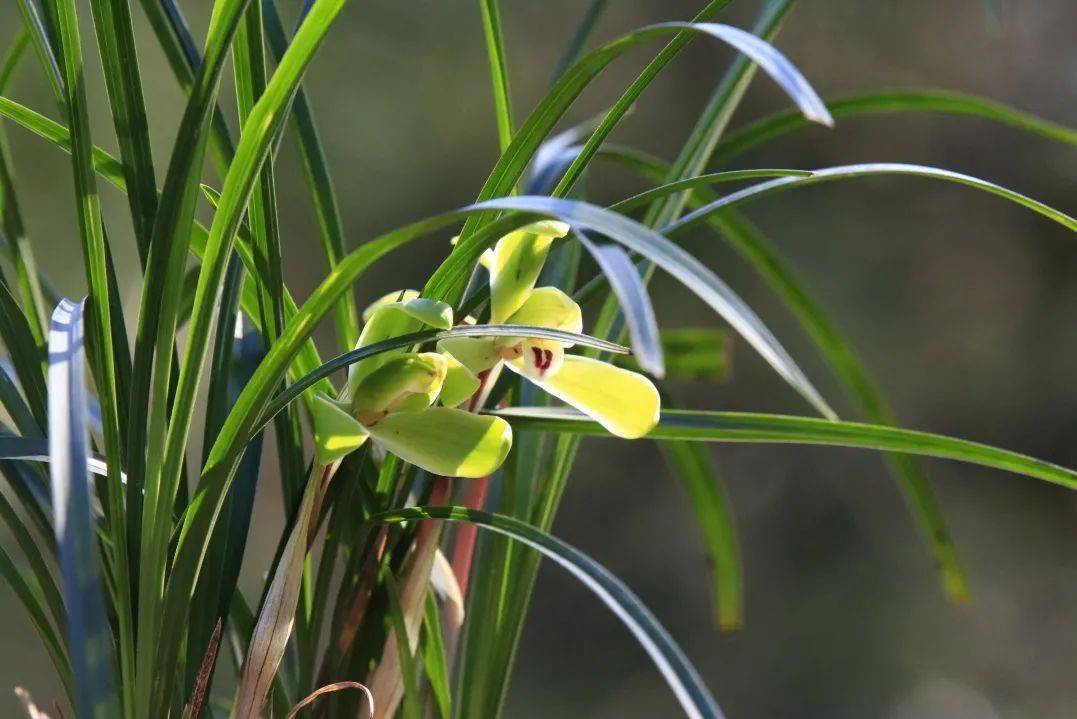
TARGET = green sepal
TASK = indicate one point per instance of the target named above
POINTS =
(446, 441)
(336, 431)
(460, 382)
(406, 383)
(477, 354)
(515, 264)
(388, 299)
(393, 319)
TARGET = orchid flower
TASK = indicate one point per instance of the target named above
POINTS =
(624, 402)
(389, 399)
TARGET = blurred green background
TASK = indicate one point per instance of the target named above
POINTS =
(960, 304)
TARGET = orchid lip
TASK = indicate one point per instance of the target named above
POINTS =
(543, 359)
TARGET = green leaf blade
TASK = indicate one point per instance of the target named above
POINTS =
(710, 426)
(694, 697)
(89, 639)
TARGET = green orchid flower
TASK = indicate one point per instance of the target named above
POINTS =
(390, 398)
(624, 402)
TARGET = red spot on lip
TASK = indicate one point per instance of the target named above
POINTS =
(543, 359)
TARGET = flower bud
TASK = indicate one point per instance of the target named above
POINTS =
(407, 383)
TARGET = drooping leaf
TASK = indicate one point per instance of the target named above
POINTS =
(844, 172)
(755, 49)
(679, 674)
(941, 101)
(636, 306)
(750, 244)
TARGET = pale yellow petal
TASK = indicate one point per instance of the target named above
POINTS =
(624, 402)
(515, 266)
(549, 307)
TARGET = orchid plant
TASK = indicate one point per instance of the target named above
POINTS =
(130, 536)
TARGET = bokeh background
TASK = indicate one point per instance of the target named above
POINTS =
(961, 305)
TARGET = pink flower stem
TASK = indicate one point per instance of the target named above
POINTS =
(464, 549)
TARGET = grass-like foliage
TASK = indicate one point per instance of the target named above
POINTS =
(455, 407)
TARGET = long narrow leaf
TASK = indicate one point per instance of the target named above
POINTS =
(174, 37)
(11, 221)
(758, 50)
(106, 319)
(723, 103)
(715, 521)
(275, 619)
(152, 386)
(34, 23)
(499, 73)
(680, 675)
(845, 172)
(579, 36)
(263, 123)
(435, 659)
(786, 429)
(952, 103)
(319, 183)
(119, 56)
(748, 241)
(88, 638)
(635, 303)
